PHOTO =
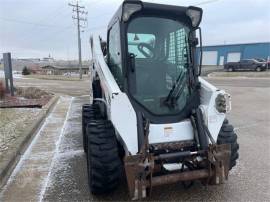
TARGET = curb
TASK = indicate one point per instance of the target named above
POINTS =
(239, 74)
(13, 155)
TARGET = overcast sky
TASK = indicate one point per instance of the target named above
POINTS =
(37, 28)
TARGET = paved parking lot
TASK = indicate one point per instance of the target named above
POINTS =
(248, 181)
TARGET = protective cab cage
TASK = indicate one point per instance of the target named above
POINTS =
(132, 9)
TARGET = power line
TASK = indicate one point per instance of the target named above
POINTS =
(206, 2)
(100, 15)
(46, 39)
(96, 2)
(79, 11)
(57, 12)
(39, 23)
(35, 28)
(26, 22)
(53, 34)
(50, 29)
(96, 28)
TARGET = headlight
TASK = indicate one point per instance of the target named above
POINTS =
(263, 65)
(129, 8)
(195, 14)
(223, 103)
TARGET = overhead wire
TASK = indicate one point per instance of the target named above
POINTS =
(52, 34)
(45, 19)
(41, 24)
(25, 22)
(205, 2)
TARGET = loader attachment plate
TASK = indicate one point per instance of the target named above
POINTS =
(143, 170)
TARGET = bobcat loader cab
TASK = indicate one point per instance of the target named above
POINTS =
(151, 111)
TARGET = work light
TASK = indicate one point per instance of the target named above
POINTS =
(195, 15)
(223, 103)
(129, 8)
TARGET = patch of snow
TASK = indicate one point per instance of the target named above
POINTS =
(71, 154)
(2, 74)
(30, 155)
(56, 154)
(26, 154)
(16, 74)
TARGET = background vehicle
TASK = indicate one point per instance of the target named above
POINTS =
(151, 112)
(247, 64)
(260, 59)
(263, 60)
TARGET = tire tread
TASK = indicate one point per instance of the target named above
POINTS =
(104, 164)
(228, 136)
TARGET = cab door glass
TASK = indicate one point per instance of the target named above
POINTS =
(161, 51)
(115, 56)
(135, 39)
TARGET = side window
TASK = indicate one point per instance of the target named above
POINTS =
(176, 51)
(115, 60)
(176, 48)
(247, 61)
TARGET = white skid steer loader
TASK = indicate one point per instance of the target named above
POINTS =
(152, 114)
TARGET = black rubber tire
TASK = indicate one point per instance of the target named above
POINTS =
(228, 136)
(230, 69)
(97, 93)
(258, 69)
(89, 113)
(103, 162)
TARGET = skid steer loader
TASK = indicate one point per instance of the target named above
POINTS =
(152, 115)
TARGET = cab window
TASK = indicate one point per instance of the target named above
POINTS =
(115, 56)
(135, 39)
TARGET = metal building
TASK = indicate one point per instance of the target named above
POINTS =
(221, 54)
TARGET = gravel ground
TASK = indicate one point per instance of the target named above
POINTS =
(12, 122)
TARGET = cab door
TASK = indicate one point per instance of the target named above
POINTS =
(115, 54)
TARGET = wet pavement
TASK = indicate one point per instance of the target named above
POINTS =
(66, 179)
(29, 178)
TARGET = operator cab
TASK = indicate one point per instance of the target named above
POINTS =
(155, 64)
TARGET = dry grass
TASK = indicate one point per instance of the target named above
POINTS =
(12, 122)
(55, 77)
(31, 93)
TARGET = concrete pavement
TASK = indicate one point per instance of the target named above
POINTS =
(248, 181)
(59, 174)
(29, 178)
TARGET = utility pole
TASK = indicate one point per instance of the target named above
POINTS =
(79, 10)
